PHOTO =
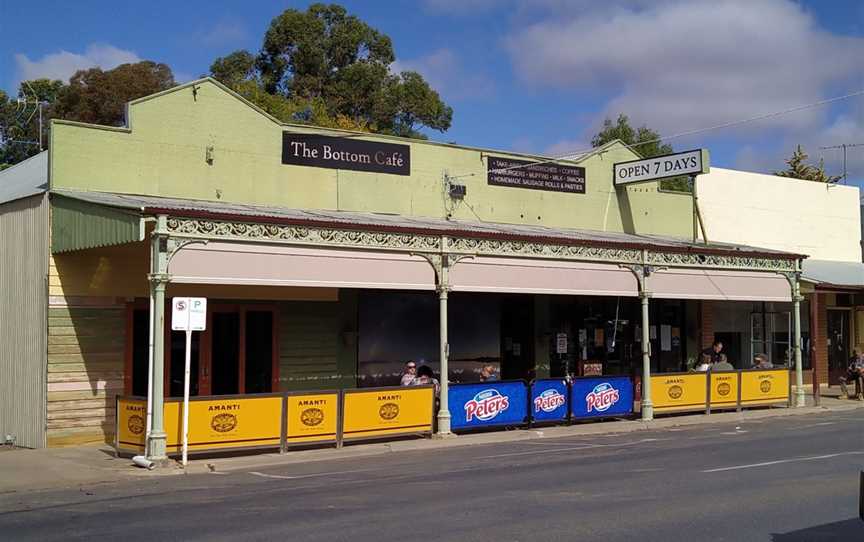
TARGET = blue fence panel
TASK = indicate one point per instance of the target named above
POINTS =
(601, 396)
(487, 404)
(549, 400)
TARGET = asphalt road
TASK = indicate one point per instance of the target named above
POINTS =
(778, 479)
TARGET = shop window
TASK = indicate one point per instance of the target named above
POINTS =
(395, 327)
(140, 351)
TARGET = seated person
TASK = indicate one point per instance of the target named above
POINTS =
(426, 376)
(722, 365)
(704, 363)
(855, 372)
(760, 361)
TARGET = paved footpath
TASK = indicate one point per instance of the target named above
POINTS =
(27, 470)
(759, 477)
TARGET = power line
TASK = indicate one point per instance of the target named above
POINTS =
(577, 154)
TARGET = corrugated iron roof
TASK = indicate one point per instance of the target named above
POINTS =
(151, 205)
(25, 179)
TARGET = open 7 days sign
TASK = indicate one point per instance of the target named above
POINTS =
(661, 167)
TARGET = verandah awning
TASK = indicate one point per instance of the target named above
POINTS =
(256, 245)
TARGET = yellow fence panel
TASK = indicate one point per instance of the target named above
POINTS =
(679, 392)
(226, 422)
(386, 411)
(312, 417)
(724, 389)
(131, 424)
(764, 387)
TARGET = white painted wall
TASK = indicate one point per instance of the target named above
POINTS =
(820, 220)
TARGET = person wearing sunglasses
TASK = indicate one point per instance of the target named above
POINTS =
(409, 373)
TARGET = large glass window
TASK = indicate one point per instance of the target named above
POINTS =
(399, 326)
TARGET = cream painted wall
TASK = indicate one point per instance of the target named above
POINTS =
(820, 220)
(162, 152)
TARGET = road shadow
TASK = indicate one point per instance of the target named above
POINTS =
(846, 531)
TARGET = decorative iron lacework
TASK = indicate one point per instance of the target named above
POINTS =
(406, 242)
(221, 230)
(716, 261)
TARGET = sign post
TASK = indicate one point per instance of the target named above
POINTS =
(188, 314)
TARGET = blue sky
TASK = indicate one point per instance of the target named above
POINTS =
(534, 75)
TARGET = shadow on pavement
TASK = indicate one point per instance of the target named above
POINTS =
(846, 531)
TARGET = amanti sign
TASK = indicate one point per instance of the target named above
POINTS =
(345, 153)
(661, 167)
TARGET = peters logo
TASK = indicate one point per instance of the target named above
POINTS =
(486, 405)
(602, 397)
(548, 401)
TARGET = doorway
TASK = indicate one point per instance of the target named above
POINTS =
(838, 344)
(236, 354)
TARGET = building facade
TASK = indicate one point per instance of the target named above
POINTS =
(330, 258)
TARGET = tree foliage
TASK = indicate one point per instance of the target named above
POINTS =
(644, 141)
(799, 169)
(94, 95)
(326, 67)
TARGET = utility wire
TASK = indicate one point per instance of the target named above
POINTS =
(577, 154)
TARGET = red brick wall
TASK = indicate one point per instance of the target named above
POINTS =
(819, 346)
(706, 323)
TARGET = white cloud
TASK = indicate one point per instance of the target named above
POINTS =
(224, 32)
(677, 66)
(445, 73)
(460, 7)
(63, 64)
(566, 147)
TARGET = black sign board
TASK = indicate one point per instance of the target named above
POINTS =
(345, 153)
(525, 174)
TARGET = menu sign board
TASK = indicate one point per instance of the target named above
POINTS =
(345, 153)
(536, 176)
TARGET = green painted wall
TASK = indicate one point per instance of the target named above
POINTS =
(163, 153)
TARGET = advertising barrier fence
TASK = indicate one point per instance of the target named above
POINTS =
(282, 420)
(378, 412)
(601, 397)
(549, 400)
(312, 417)
(679, 392)
(488, 404)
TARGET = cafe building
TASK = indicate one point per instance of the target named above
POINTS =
(330, 258)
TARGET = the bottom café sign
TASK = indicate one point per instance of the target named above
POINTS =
(602, 397)
(488, 404)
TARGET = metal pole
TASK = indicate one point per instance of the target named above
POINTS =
(159, 279)
(796, 307)
(443, 287)
(186, 377)
(647, 404)
(149, 374)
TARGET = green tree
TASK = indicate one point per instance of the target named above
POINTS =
(95, 96)
(326, 67)
(100, 97)
(799, 169)
(644, 141)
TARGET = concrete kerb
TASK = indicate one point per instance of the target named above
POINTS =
(619, 427)
(70, 467)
